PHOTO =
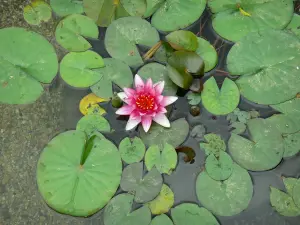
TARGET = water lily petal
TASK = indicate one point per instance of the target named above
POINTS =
(162, 110)
(162, 120)
(129, 92)
(149, 85)
(159, 87)
(168, 100)
(138, 82)
(122, 95)
(146, 122)
(159, 98)
(125, 110)
(133, 122)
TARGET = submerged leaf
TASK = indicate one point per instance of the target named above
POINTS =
(183, 40)
(198, 132)
(132, 150)
(37, 12)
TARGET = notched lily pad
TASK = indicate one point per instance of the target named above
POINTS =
(238, 127)
(289, 183)
(194, 98)
(37, 12)
(215, 144)
(208, 53)
(64, 8)
(161, 220)
(92, 124)
(291, 144)
(183, 40)
(289, 107)
(145, 188)
(132, 150)
(89, 104)
(198, 132)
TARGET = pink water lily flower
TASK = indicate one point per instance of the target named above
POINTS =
(145, 103)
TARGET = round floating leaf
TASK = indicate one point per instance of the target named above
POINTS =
(64, 8)
(159, 135)
(132, 151)
(238, 127)
(296, 193)
(93, 123)
(177, 14)
(115, 71)
(103, 12)
(89, 103)
(161, 220)
(262, 81)
(74, 189)
(225, 198)
(37, 12)
(71, 32)
(78, 69)
(208, 53)
(134, 7)
(263, 152)
(291, 144)
(144, 188)
(214, 144)
(163, 202)
(289, 107)
(234, 20)
(219, 168)
(188, 213)
(194, 98)
(163, 53)
(294, 25)
(165, 161)
(289, 183)
(152, 6)
(157, 73)
(242, 116)
(183, 40)
(122, 36)
(26, 59)
(283, 203)
(285, 123)
(220, 102)
(119, 211)
(198, 132)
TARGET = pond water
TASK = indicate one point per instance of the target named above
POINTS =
(25, 130)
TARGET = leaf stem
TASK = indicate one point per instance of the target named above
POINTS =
(152, 51)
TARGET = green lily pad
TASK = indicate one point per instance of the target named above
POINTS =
(285, 123)
(291, 144)
(24, 66)
(64, 8)
(37, 12)
(161, 220)
(220, 102)
(235, 19)
(294, 25)
(188, 213)
(177, 14)
(152, 6)
(225, 198)
(78, 69)
(93, 123)
(183, 40)
(124, 34)
(283, 203)
(263, 152)
(198, 132)
(159, 135)
(296, 193)
(219, 168)
(165, 161)
(157, 73)
(261, 78)
(194, 98)
(132, 150)
(238, 127)
(208, 53)
(103, 12)
(289, 183)
(145, 188)
(242, 116)
(289, 107)
(74, 189)
(119, 211)
(215, 144)
(163, 53)
(163, 202)
(71, 32)
(115, 71)
(135, 7)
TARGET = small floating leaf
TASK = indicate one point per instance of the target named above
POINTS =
(132, 150)
(194, 98)
(208, 53)
(289, 183)
(214, 144)
(161, 220)
(93, 123)
(91, 101)
(37, 12)
(198, 132)
(183, 40)
(64, 8)
(238, 127)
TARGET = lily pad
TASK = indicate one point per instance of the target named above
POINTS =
(74, 189)
(159, 135)
(165, 161)
(135, 7)
(119, 211)
(93, 123)
(188, 213)
(291, 144)
(71, 32)
(235, 19)
(177, 14)
(215, 144)
(145, 188)
(78, 69)
(261, 78)
(183, 40)
(157, 73)
(198, 132)
(242, 116)
(289, 183)
(124, 34)
(285, 123)
(163, 202)
(225, 198)
(24, 66)
(152, 6)
(219, 168)
(220, 102)
(294, 25)
(89, 104)
(283, 203)
(64, 8)
(37, 12)
(238, 127)
(296, 193)
(263, 152)
(194, 98)
(208, 53)
(115, 71)
(132, 150)
(161, 220)
(103, 12)
(163, 53)
(289, 107)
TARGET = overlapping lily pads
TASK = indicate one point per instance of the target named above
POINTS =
(235, 19)
(261, 59)
(183, 40)
(294, 25)
(208, 53)
(132, 151)
(72, 188)
(37, 12)
(92, 124)
(215, 144)
(27, 60)
(64, 8)
(289, 107)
